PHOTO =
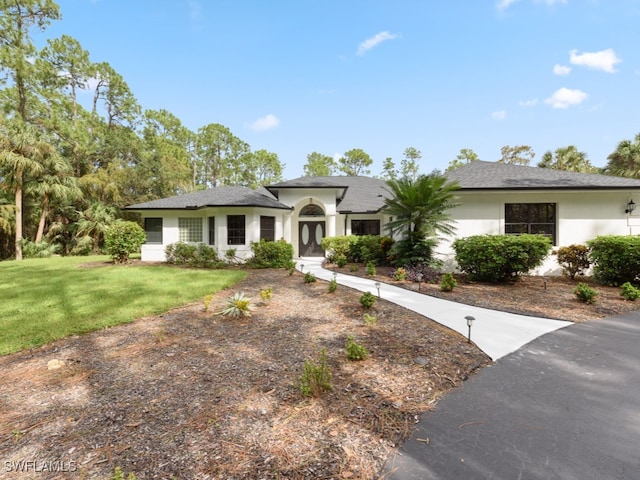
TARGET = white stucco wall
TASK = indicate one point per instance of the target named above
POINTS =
(581, 216)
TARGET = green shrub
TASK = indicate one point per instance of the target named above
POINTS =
(400, 274)
(268, 254)
(309, 277)
(615, 258)
(499, 258)
(413, 251)
(238, 305)
(200, 255)
(38, 250)
(371, 268)
(367, 300)
(122, 239)
(629, 292)
(574, 260)
(370, 320)
(448, 283)
(355, 351)
(333, 286)
(369, 248)
(341, 260)
(353, 268)
(585, 293)
(316, 377)
(337, 247)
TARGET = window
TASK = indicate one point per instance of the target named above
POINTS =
(312, 210)
(153, 229)
(267, 228)
(212, 230)
(365, 227)
(190, 230)
(235, 229)
(535, 218)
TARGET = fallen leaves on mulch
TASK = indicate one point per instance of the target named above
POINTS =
(192, 395)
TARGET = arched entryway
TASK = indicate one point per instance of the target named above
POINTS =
(311, 231)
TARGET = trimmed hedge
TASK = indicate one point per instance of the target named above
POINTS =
(615, 258)
(500, 258)
(358, 248)
(199, 255)
(269, 254)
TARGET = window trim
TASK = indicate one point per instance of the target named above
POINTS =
(148, 229)
(190, 229)
(529, 224)
(236, 234)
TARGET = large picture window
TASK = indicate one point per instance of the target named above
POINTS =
(153, 229)
(534, 218)
(190, 230)
(365, 227)
(235, 230)
(267, 228)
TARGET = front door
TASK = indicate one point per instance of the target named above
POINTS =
(310, 234)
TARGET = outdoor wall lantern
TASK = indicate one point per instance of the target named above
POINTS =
(469, 320)
(631, 206)
(377, 285)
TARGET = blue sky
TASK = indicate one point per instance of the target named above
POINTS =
(297, 76)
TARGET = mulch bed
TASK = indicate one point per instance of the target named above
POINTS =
(193, 395)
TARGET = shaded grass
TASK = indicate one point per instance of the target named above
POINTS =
(48, 299)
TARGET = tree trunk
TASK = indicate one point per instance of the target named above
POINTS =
(19, 220)
(43, 218)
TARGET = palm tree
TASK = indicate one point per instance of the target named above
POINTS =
(22, 152)
(94, 222)
(625, 161)
(419, 211)
(567, 158)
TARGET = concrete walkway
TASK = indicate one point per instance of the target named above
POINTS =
(495, 333)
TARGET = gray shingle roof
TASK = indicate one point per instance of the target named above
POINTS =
(214, 197)
(355, 194)
(481, 175)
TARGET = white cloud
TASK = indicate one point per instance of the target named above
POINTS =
(565, 98)
(372, 42)
(604, 60)
(561, 70)
(528, 103)
(265, 123)
(504, 4)
(499, 115)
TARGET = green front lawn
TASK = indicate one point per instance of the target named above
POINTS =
(47, 299)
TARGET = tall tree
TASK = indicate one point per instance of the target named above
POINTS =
(567, 158)
(389, 171)
(22, 154)
(319, 165)
(420, 213)
(355, 162)
(17, 50)
(625, 160)
(465, 156)
(261, 168)
(518, 155)
(219, 152)
(409, 166)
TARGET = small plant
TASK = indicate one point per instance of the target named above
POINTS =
(309, 277)
(207, 301)
(370, 320)
(353, 267)
(160, 335)
(629, 292)
(371, 268)
(355, 351)
(574, 260)
(367, 300)
(118, 474)
(291, 267)
(17, 433)
(266, 294)
(333, 285)
(400, 274)
(448, 283)
(341, 260)
(316, 377)
(230, 256)
(238, 305)
(585, 293)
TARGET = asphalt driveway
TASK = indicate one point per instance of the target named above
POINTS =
(565, 406)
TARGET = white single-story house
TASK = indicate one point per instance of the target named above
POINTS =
(494, 198)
